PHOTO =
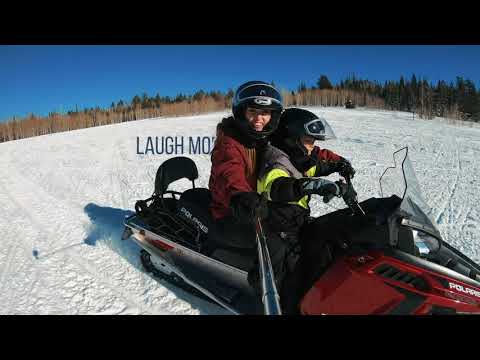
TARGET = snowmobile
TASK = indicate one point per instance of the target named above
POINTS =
(398, 264)
(349, 104)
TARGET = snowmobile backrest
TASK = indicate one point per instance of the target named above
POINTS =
(172, 170)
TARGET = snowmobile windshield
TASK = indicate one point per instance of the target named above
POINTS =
(400, 180)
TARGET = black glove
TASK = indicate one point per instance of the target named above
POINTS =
(345, 169)
(325, 168)
(342, 166)
(246, 206)
(319, 186)
(347, 192)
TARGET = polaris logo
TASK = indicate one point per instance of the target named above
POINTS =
(263, 101)
(194, 219)
(464, 290)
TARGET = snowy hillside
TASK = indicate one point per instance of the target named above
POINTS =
(63, 198)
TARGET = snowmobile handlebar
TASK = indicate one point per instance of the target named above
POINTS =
(340, 188)
(351, 199)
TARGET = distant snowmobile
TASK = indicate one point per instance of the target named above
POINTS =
(349, 104)
(398, 265)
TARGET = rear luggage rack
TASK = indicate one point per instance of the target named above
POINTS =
(162, 221)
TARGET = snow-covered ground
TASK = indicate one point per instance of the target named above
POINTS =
(63, 198)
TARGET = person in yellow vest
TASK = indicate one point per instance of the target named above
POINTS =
(291, 171)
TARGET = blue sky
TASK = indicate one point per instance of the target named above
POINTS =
(42, 78)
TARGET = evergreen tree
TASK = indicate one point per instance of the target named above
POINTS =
(199, 95)
(157, 100)
(469, 104)
(324, 83)
(414, 95)
(216, 95)
(136, 101)
(179, 98)
(402, 93)
(145, 101)
(302, 87)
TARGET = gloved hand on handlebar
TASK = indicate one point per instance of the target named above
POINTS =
(342, 167)
(329, 189)
(326, 188)
(345, 169)
(347, 192)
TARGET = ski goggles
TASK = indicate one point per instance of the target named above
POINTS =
(265, 96)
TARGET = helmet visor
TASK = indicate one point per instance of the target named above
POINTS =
(319, 129)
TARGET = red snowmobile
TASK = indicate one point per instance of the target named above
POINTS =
(397, 265)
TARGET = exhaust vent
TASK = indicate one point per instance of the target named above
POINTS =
(391, 272)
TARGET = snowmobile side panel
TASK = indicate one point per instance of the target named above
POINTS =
(436, 269)
(341, 290)
(181, 255)
(177, 272)
(212, 277)
(374, 283)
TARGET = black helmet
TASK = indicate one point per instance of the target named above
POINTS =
(295, 123)
(260, 95)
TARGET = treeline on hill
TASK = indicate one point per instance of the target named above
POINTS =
(458, 100)
(143, 107)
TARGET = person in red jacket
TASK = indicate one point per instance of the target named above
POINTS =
(241, 140)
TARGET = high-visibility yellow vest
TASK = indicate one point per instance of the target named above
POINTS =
(265, 184)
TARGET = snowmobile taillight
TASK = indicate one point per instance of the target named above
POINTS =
(160, 244)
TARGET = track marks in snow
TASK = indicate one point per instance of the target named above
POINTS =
(115, 186)
(448, 201)
(86, 279)
(4, 279)
(52, 242)
(21, 269)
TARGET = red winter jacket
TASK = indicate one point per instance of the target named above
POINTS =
(230, 162)
(324, 154)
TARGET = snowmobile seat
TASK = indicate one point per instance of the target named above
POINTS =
(193, 205)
